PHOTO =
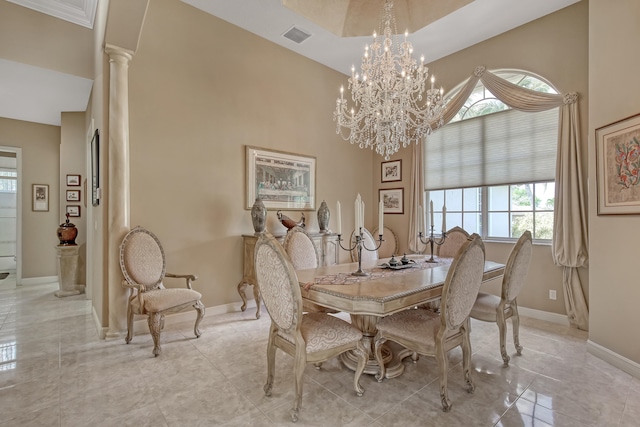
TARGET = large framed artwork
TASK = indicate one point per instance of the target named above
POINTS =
(392, 171)
(282, 180)
(392, 200)
(618, 167)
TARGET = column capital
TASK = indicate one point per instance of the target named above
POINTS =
(115, 52)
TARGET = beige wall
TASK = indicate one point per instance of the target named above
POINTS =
(614, 32)
(40, 165)
(44, 41)
(554, 47)
(201, 89)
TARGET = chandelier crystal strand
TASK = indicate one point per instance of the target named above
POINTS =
(391, 106)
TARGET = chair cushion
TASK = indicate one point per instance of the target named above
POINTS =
(159, 300)
(485, 307)
(415, 325)
(322, 332)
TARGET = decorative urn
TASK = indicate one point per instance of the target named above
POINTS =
(258, 216)
(323, 217)
(67, 233)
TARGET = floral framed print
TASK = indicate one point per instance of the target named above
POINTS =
(392, 171)
(281, 180)
(618, 167)
(392, 200)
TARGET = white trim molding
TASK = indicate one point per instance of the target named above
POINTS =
(81, 14)
(614, 359)
(543, 315)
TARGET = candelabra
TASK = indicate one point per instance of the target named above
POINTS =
(431, 241)
(359, 245)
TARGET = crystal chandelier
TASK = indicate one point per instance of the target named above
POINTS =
(391, 107)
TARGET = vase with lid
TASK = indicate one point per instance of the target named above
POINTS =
(258, 216)
(67, 233)
(323, 217)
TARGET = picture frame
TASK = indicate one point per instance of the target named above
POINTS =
(40, 198)
(95, 168)
(73, 211)
(391, 171)
(282, 180)
(73, 180)
(392, 200)
(618, 167)
(73, 195)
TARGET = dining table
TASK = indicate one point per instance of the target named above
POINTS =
(383, 291)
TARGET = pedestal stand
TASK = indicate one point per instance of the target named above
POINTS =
(67, 271)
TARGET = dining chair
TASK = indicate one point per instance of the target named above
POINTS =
(307, 337)
(491, 308)
(456, 237)
(303, 253)
(369, 242)
(425, 332)
(143, 266)
(389, 246)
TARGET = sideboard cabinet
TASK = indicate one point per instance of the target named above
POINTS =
(326, 244)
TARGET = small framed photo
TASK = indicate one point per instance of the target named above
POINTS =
(73, 180)
(73, 195)
(40, 202)
(392, 200)
(618, 163)
(392, 171)
(73, 210)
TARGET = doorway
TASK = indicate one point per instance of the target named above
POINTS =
(10, 217)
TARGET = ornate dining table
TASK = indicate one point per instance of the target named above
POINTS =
(382, 292)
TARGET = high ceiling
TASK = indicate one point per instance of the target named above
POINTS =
(437, 29)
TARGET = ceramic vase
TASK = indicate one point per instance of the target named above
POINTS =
(258, 216)
(67, 233)
(323, 217)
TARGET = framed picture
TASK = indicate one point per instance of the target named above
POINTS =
(95, 169)
(282, 180)
(392, 200)
(618, 167)
(73, 210)
(73, 195)
(40, 202)
(73, 180)
(392, 171)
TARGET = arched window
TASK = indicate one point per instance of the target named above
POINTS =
(494, 167)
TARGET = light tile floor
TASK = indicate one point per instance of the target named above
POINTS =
(54, 371)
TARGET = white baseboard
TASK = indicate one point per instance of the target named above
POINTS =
(544, 315)
(102, 331)
(629, 366)
(39, 280)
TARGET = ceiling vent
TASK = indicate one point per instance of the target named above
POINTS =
(296, 35)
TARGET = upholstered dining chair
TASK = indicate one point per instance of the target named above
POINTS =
(307, 337)
(425, 332)
(143, 266)
(303, 254)
(369, 242)
(456, 237)
(491, 308)
(389, 246)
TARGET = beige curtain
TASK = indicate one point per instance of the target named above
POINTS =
(570, 224)
(416, 193)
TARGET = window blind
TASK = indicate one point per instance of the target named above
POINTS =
(507, 147)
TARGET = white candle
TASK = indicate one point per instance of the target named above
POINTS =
(380, 217)
(339, 217)
(362, 214)
(420, 219)
(431, 213)
(444, 218)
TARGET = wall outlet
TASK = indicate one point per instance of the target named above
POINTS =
(552, 294)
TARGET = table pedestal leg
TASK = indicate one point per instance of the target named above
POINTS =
(392, 357)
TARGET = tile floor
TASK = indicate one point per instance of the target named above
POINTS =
(54, 371)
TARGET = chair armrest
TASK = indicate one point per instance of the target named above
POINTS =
(189, 278)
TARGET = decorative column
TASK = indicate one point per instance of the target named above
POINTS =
(118, 199)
